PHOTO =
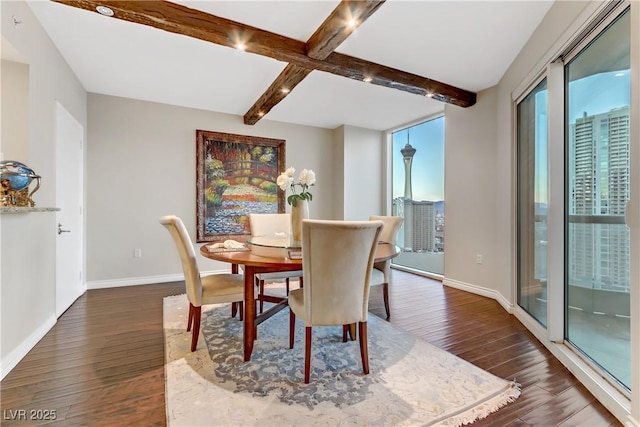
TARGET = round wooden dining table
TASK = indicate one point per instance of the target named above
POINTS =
(255, 264)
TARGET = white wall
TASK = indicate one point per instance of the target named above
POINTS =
(471, 210)
(361, 172)
(338, 172)
(15, 114)
(27, 286)
(141, 164)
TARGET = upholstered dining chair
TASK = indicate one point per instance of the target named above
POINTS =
(272, 224)
(338, 259)
(382, 270)
(201, 290)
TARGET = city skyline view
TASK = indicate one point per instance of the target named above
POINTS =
(428, 140)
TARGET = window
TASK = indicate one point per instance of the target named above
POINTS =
(533, 202)
(597, 91)
(418, 194)
(573, 184)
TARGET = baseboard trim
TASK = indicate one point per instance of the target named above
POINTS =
(148, 280)
(423, 273)
(479, 290)
(12, 359)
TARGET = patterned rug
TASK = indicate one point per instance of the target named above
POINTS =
(411, 382)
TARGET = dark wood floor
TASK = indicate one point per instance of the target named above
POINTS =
(102, 363)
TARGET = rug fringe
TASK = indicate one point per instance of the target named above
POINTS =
(491, 405)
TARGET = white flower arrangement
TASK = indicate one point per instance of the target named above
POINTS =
(306, 179)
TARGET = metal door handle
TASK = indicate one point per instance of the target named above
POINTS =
(60, 230)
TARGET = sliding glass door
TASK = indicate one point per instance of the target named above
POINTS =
(597, 92)
(573, 177)
(533, 202)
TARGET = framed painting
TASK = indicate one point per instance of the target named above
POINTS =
(235, 176)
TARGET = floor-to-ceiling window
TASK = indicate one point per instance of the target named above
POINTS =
(533, 202)
(417, 154)
(582, 105)
(597, 93)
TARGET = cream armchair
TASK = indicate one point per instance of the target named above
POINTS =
(270, 224)
(382, 270)
(338, 259)
(201, 290)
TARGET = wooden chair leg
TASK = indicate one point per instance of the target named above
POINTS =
(241, 307)
(196, 327)
(352, 331)
(286, 281)
(260, 292)
(345, 329)
(190, 317)
(307, 354)
(385, 296)
(292, 328)
(234, 309)
(364, 350)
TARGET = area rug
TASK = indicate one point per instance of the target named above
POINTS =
(411, 382)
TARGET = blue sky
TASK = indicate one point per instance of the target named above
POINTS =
(427, 170)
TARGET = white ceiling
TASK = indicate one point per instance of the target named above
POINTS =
(468, 44)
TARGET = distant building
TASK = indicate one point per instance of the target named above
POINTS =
(599, 173)
(407, 154)
(423, 225)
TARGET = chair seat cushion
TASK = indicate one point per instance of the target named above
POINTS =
(219, 288)
(377, 277)
(296, 302)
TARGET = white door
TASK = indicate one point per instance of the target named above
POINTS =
(69, 223)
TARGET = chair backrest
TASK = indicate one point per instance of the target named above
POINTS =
(269, 224)
(389, 234)
(337, 259)
(187, 256)
(391, 226)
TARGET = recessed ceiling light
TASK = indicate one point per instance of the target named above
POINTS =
(367, 79)
(429, 94)
(260, 113)
(241, 46)
(104, 10)
(352, 23)
(285, 90)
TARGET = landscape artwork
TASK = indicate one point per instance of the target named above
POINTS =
(236, 176)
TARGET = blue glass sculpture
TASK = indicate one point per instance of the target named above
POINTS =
(15, 178)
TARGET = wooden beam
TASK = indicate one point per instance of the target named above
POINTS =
(279, 89)
(179, 19)
(333, 31)
(336, 28)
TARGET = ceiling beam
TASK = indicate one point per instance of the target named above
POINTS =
(179, 19)
(344, 19)
(279, 89)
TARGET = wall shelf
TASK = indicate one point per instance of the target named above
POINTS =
(6, 209)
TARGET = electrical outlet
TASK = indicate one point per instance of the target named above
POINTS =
(137, 253)
(479, 259)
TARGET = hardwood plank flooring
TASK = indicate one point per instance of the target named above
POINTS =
(102, 363)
